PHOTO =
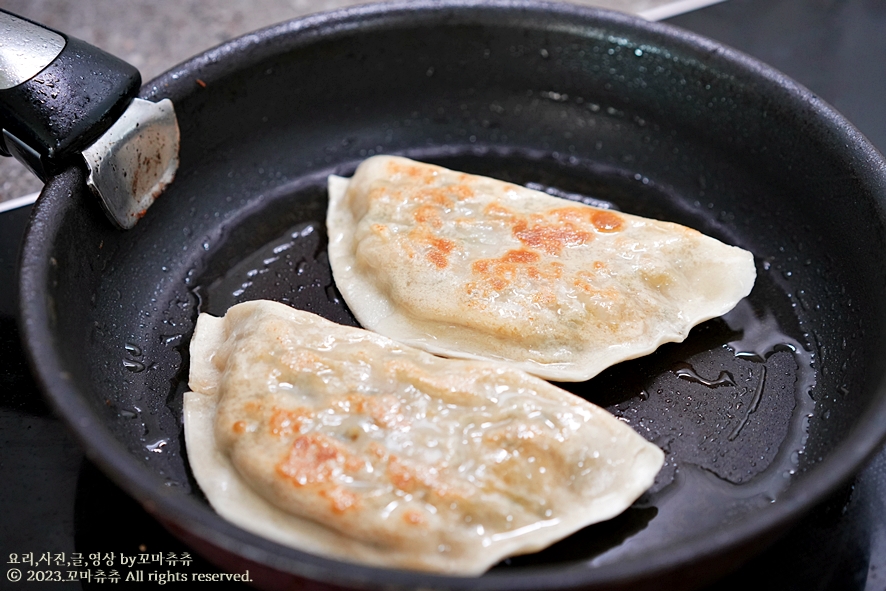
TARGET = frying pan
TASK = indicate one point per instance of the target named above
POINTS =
(762, 413)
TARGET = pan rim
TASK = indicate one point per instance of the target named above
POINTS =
(105, 450)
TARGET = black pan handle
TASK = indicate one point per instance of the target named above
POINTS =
(64, 102)
(57, 94)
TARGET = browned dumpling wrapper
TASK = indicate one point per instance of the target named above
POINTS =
(344, 443)
(467, 266)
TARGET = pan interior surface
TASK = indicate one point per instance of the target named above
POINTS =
(584, 104)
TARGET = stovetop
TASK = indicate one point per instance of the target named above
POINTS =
(61, 514)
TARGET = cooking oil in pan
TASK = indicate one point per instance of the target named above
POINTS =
(292, 269)
(734, 439)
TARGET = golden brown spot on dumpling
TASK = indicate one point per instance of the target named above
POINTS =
(340, 499)
(410, 171)
(495, 275)
(315, 458)
(433, 196)
(383, 409)
(438, 259)
(573, 215)
(544, 297)
(520, 256)
(428, 214)
(381, 231)
(286, 423)
(549, 237)
(602, 220)
(461, 191)
(239, 427)
(496, 210)
(413, 517)
(438, 249)
(439, 254)
(607, 221)
(401, 476)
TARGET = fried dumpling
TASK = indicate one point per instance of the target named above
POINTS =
(341, 442)
(467, 266)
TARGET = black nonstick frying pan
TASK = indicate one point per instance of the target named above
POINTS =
(762, 413)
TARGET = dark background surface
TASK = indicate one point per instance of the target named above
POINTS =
(54, 500)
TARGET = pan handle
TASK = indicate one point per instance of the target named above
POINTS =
(54, 106)
(64, 102)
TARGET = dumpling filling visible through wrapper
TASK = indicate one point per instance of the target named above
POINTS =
(343, 443)
(467, 266)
